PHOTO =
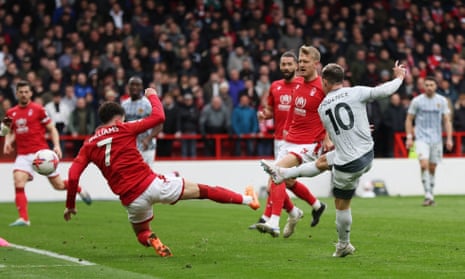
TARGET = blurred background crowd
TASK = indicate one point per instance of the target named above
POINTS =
(212, 61)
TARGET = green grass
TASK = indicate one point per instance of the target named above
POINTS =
(395, 238)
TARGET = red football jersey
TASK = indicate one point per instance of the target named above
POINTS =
(279, 100)
(28, 126)
(303, 122)
(113, 150)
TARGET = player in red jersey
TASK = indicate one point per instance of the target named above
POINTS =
(113, 150)
(29, 123)
(305, 139)
(278, 104)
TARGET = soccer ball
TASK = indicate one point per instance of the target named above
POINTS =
(45, 161)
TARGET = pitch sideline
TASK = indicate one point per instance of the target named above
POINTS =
(52, 254)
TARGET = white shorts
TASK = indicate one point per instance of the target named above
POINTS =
(431, 152)
(304, 152)
(24, 163)
(163, 189)
(344, 180)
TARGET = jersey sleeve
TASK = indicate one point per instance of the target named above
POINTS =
(381, 91)
(156, 117)
(270, 97)
(77, 167)
(44, 116)
(446, 109)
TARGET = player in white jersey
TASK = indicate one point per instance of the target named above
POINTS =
(138, 107)
(431, 112)
(344, 116)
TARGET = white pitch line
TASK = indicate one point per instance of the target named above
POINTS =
(51, 254)
(37, 265)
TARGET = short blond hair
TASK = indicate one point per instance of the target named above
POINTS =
(312, 51)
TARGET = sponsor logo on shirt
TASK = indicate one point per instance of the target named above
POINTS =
(284, 102)
(21, 126)
(300, 103)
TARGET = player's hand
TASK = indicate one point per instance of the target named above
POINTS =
(409, 143)
(150, 91)
(261, 115)
(69, 212)
(328, 145)
(145, 142)
(449, 144)
(399, 70)
(7, 121)
(57, 150)
(8, 148)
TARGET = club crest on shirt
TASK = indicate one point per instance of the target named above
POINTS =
(313, 92)
(29, 113)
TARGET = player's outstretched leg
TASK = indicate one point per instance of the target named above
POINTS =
(273, 171)
(220, 194)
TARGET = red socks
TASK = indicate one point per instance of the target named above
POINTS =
(143, 237)
(267, 211)
(219, 194)
(21, 203)
(65, 181)
(288, 205)
(301, 191)
(272, 206)
(277, 193)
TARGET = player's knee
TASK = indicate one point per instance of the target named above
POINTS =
(290, 183)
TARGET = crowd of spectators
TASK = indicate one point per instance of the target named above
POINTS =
(204, 56)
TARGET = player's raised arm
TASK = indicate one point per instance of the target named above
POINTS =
(155, 118)
(390, 87)
(77, 167)
(399, 71)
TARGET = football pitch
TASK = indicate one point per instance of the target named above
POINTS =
(395, 237)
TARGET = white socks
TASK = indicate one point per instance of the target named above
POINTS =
(316, 205)
(304, 170)
(294, 213)
(274, 221)
(343, 224)
(246, 199)
(426, 181)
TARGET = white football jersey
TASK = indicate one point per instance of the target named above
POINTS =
(343, 113)
(428, 112)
